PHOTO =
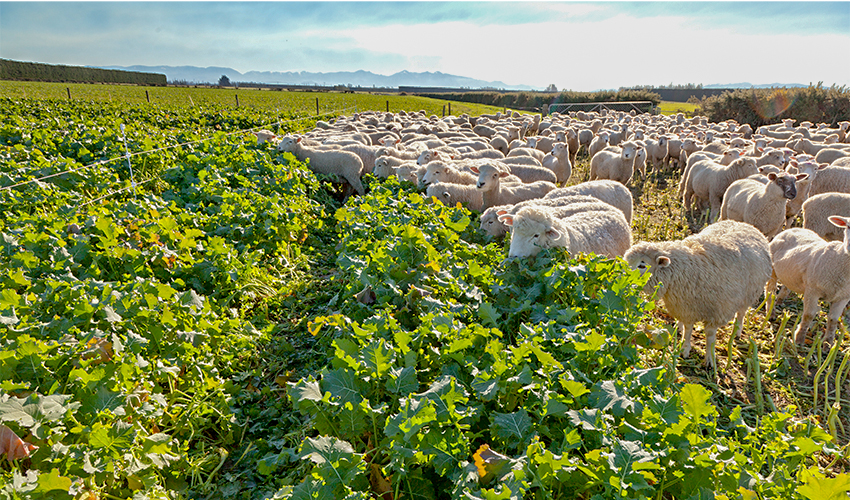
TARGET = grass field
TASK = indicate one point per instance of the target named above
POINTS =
(178, 318)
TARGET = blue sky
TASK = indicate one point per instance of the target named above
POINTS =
(579, 46)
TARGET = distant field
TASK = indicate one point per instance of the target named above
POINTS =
(672, 108)
(268, 100)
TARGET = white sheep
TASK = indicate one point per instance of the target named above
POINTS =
(709, 180)
(343, 164)
(831, 179)
(264, 136)
(818, 208)
(528, 173)
(534, 153)
(438, 171)
(496, 193)
(450, 194)
(618, 163)
(568, 204)
(603, 231)
(762, 205)
(558, 161)
(598, 143)
(607, 191)
(819, 270)
(708, 277)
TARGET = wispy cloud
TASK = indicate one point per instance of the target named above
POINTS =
(574, 45)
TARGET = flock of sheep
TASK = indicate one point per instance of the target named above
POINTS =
(513, 169)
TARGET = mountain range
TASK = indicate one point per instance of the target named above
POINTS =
(360, 78)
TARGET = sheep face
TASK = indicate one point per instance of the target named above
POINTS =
(646, 258)
(787, 183)
(491, 225)
(427, 157)
(488, 176)
(530, 232)
(435, 172)
(288, 143)
(629, 150)
(560, 149)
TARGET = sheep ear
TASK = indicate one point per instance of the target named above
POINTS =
(507, 220)
(761, 150)
(823, 166)
(554, 234)
(771, 176)
(474, 169)
(501, 212)
(840, 221)
(298, 139)
(662, 261)
(504, 174)
(802, 177)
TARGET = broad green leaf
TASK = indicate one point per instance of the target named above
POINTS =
(512, 428)
(53, 485)
(607, 396)
(342, 383)
(115, 438)
(9, 299)
(378, 358)
(695, 399)
(402, 381)
(817, 487)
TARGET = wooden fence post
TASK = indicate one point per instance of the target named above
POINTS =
(69, 92)
(450, 109)
(317, 106)
(148, 96)
(237, 100)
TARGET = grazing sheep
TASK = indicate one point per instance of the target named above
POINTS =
(450, 194)
(803, 187)
(566, 205)
(608, 191)
(603, 231)
(818, 208)
(495, 193)
(709, 181)
(520, 160)
(344, 164)
(617, 163)
(529, 173)
(819, 270)
(762, 205)
(559, 162)
(386, 166)
(499, 143)
(264, 136)
(711, 276)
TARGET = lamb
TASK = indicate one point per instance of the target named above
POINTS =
(264, 136)
(808, 265)
(494, 193)
(564, 206)
(709, 180)
(710, 277)
(656, 150)
(608, 191)
(803, 187)
(762, 205)
(603, 231)
(598, 143)
(386, 166)
(559, 162)
(618, 165)
(344, 164)
(818, 208)
(450, 194)
(438, 171)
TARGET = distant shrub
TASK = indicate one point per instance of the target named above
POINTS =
(532, 100)
(765, 106)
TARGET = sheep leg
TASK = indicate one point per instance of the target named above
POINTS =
(770, 290)
(710, 340)
(688, 329)
(810, 308)
(833, 317)
(739, 322)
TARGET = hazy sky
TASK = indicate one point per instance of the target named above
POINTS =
(579, 46)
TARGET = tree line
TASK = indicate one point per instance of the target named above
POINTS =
(19, 70)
